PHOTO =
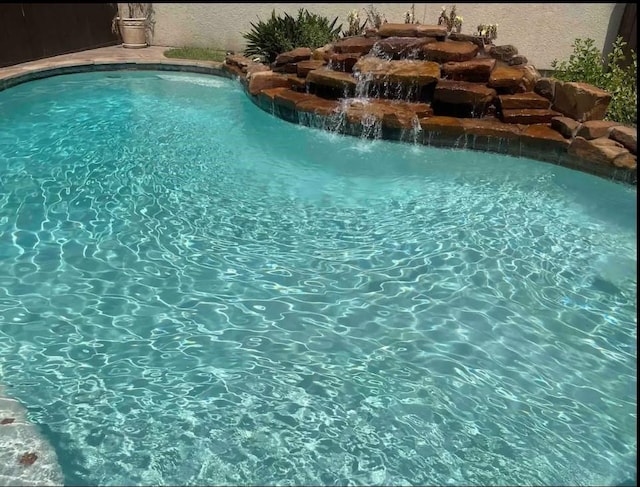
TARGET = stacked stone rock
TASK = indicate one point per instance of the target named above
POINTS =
(450, 86)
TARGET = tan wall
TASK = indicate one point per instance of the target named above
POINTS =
(540, 31)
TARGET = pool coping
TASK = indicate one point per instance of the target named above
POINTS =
(532, 142)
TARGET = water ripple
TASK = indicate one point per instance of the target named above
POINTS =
(189, 301)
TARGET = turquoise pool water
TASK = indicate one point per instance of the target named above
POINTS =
(195, 292)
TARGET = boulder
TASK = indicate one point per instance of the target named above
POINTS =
(323, 53)
(354, 45)
(298, 54)
(565, 126)
(627, 136)
(444, 52)
(517, 60)
(530, 76)
(503, 53)
(546, 87)
(601, 151)
(626, 160)
(580, 101)
(476, 70)
(594, 129)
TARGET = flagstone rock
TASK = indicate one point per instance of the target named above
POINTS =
(343, 62)
(267, 79)
(627, 136)
(358, 45)
(505, 77)
(319, 106)
(462, 92)
(297, 83)
(528, 116)
(331, 79)
(400, 47)
(444, 52)
(303, 67)
(453, 89)
(448, 126)
(565, 126)
(602, 151)
(476, 70)
(490, 128)
(581, 101)
(523, 101)
(594, 129)
(417, 73)
(298, 54)
(541, 138)
(437, 31)
(289, 99)
(457, 36)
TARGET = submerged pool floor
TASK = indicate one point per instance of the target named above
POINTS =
(195, 292)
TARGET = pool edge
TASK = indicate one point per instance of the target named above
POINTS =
(525, 145)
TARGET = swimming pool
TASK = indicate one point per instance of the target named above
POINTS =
(195, 292)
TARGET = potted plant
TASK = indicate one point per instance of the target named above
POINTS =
(132, 22)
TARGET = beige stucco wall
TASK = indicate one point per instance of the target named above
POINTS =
(540, 31)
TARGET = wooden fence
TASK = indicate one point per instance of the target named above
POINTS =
(30, 31)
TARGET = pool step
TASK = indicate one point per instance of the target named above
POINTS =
(26, 458)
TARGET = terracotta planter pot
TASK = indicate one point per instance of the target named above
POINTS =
(134, 32)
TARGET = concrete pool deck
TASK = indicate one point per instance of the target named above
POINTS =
(108, 55)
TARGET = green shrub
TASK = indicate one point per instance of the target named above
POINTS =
(284, 33)
(587, 65)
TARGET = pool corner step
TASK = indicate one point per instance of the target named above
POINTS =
(26, 458)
